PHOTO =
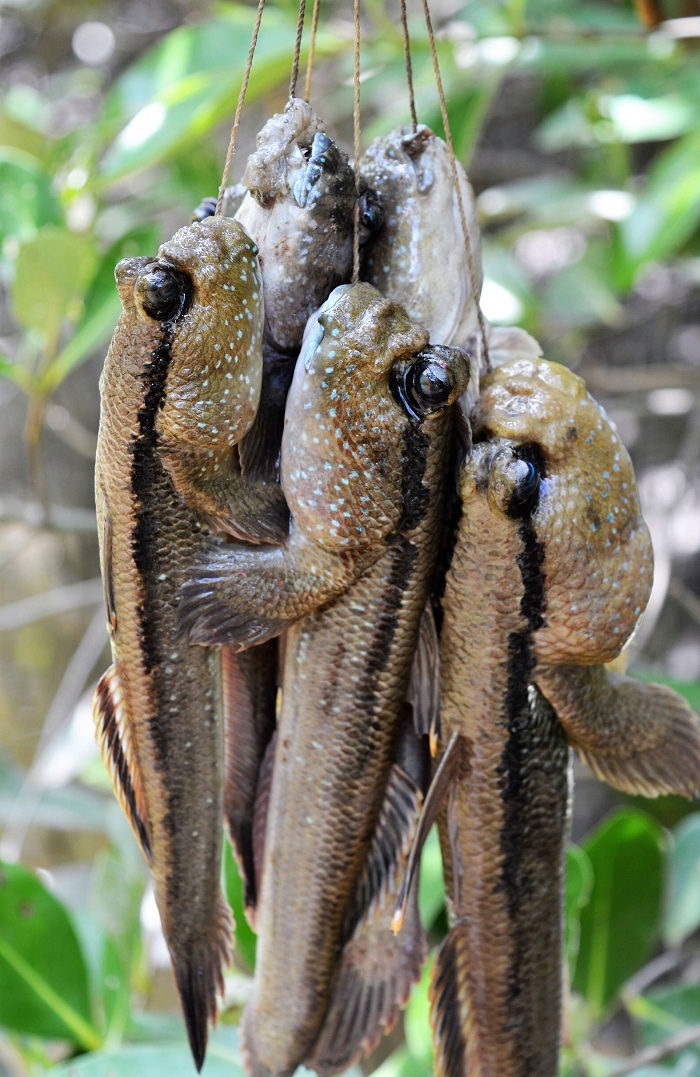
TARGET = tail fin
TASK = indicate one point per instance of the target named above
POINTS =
(200, 979)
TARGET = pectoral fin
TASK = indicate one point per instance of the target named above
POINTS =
(213, 485)
(641, 738)
(240, 596)
(112, 735)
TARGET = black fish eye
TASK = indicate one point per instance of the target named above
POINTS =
(423, 387)
(161, 292)
(430, 383)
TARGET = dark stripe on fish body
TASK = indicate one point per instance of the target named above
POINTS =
(148, 479)
(415, 495)
(521, 663)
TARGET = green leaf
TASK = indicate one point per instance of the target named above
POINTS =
(245, 936)
(620, 924)
(579, 882)
(153, 1060)
(431, 886)
(43, 977)
(28, 202)
(52, 268)
(682, 915)
(665, 1011)
(191, 80)
(668, 213)
(102, 304)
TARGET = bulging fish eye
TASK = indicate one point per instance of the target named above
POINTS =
(160, 291)
(514, 481)
(424, 387)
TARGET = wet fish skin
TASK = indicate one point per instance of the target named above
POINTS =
(347, 665)
(561, 583)
(427, 273)
(341, 473)
(158, 707)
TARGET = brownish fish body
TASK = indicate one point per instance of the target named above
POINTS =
(180, 387)
(368, 442)
(550, 573)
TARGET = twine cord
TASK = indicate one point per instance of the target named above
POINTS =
(312, 49)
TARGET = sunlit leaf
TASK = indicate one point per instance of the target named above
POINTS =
(191, 80)
(683, 895)
(620, 924)
(43, 977)
(668, 212)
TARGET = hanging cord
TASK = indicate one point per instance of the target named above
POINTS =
(409, 66)
(312, 49)
(239, 106)
(297, 50)
(356, 149)
(455, 180)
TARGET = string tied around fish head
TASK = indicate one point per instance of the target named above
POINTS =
(471, 254)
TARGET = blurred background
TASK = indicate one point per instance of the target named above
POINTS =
(579, 126)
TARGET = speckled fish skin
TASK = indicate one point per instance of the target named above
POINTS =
(561, 583)
(158, 707)
(418, 257)
(347, 665)
(341, 470)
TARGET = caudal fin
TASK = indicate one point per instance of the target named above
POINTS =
(199, 975)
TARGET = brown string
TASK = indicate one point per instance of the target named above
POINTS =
(297, 50)
(239, 106)
(356, 142)
(312, 49)
(455, 180)
(409, 66)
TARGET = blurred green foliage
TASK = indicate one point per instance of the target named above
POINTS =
(617, 125)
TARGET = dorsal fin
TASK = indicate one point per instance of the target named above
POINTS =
(447, 768)
(112, 735)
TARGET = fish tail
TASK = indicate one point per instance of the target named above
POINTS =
(455, 1039)
(200, 978)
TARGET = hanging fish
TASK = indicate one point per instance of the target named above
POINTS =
(550, 572)
(179, 389)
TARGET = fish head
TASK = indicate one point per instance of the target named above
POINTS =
(203, 292)
(300, 209)
(563, 470)
(366, 379)
(418, 256)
